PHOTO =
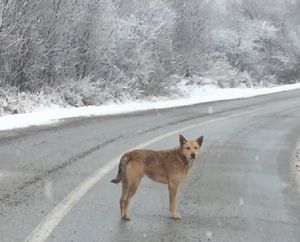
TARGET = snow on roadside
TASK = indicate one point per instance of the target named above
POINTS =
(193, 95)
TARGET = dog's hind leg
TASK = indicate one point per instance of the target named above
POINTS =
(133, 178)
(131, 191)
(123, 197)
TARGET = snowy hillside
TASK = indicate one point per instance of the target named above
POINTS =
(193, 95)
(90, 52)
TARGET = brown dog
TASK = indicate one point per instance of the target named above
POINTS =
(165, 166)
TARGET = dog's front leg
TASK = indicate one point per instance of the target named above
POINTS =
(173, 188)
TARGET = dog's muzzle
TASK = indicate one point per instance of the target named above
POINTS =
(193, 156)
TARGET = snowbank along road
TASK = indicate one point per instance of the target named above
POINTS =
(55, 179)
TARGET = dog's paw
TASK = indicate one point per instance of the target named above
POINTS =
(125, 218)
(176, 216)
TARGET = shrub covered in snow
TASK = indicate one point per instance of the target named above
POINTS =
(13, 101)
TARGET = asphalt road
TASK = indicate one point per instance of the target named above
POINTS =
(242, 188)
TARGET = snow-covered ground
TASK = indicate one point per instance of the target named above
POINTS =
(192, 96)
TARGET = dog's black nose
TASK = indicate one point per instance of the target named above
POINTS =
(193, 156)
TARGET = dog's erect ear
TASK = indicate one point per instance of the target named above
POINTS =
(200, 140)
(182, 140)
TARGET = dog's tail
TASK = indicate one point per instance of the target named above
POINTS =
(122, 165)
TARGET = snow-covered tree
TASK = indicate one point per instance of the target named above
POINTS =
(90, 51)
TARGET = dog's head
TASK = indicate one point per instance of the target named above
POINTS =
(190, 148)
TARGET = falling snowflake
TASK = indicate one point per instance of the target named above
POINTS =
(241, 201)
(209, 234)
(48, 190)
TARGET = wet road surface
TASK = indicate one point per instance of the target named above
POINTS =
(242, 188)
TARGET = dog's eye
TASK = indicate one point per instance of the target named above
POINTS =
(196, 147)
(188, 148)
